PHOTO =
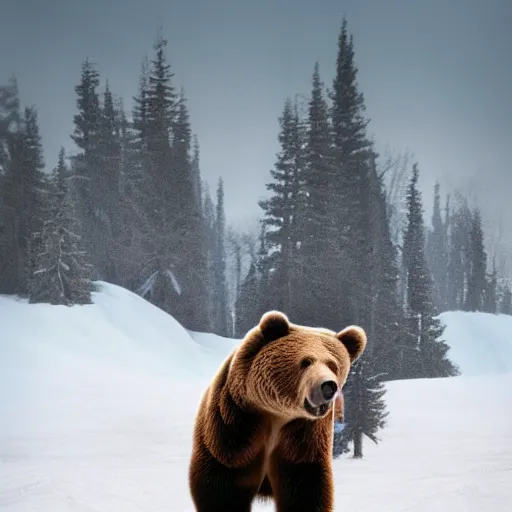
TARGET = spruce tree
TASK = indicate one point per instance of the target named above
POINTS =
(61, 272)
(10, 121)
(210, 241)
(490, 297)
(427, 354)
(109, 175)
(23, 190)
(153, 121)
(476, 282)
(506, 301)
(362, 234)
(459, 254)
(86, 166)
(247, 315)
(365, 409)
(220, 325)
(189, 249)
(282, 210)
(317, 229)
(352, 150)
(436, 252)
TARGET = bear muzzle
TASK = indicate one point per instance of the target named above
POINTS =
(320, 397)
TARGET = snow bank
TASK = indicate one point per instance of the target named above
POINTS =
(480, 343)
(119, 328)
(97, 405)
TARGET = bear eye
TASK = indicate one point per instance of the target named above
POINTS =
(307, 361)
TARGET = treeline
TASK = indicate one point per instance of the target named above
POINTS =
(128, 206)
(330, 252)
(340, 242)
(326, 253)
(458, 260)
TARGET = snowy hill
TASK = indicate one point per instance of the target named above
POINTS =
(480, 343)
(97, 405)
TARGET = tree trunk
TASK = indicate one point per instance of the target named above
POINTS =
(358, 445)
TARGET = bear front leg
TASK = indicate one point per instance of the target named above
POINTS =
(302, 487)
(217, 488)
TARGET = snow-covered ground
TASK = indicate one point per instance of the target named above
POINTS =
(97, 405)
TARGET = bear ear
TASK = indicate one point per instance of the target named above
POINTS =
(354, 340)
(274, 325)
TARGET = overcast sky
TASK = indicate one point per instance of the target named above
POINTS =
(436, 75)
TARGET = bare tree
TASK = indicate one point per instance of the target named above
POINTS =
(240, 252)
(395, 171)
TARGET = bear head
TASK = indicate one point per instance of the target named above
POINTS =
(295, 371)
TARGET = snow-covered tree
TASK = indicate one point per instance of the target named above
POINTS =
(61, 274)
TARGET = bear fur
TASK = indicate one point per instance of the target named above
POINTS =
(259, 432)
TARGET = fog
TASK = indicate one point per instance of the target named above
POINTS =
(436, 77)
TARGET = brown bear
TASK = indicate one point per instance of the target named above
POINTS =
(264, 428)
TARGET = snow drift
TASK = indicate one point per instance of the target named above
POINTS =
(480, 343)
(97, 405)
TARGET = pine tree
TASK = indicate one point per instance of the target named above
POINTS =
(61, 273)
(154, 117)
(361, 235)
(281, 210)
(247, 312)
(126, 248)
(365, 409)
(490, 297)
(476, 282)
(196, 172)
(88, 182)
(459, 250)
(23, 189)
(427, 355)
(506, 301)
(210, 241)
(10, 121)
(436, 252)
(189, 249)
(317, 259)
(220, 324)
(109, 175)
(351, 145)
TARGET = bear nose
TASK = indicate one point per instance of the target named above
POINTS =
(329, 389)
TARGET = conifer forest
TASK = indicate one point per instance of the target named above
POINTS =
(343, 237)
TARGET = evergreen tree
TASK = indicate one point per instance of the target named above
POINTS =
(362, 234)
(316, 227)
(196, 172)
(189, 249)
(61, 273)
(436, 252)
(220, 324)
(426, 356)
(10, 120)
(210, 241)
(282, 210)
(476, 283)
(87, 168)
(459, 250)
(352, 153)
(154, 116)
(506, 301)
(126, 247)
(247, 312)
(490, 298)
(23, 190)
(365, 409)
(110, 192)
